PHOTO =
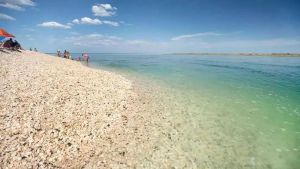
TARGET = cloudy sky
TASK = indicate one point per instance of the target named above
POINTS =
(155, 26)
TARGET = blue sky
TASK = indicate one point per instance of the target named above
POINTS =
(160, 26)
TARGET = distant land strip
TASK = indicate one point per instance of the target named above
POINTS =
(243, 54)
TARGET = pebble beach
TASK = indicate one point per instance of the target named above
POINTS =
(57, 113)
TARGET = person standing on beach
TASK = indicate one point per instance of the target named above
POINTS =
(58, 53)
(86, 57)
(65, 54)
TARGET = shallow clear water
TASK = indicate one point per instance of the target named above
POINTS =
(226, 111)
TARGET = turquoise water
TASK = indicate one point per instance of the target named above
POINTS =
(224, 111)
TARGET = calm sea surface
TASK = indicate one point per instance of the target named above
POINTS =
(227, 111)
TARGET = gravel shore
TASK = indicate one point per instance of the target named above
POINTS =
(57, 113)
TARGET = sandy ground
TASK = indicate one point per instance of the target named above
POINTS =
(57, 113)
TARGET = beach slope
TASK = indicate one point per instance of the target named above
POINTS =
(56, 112)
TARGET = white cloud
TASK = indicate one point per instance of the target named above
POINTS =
(234, 46)
(20, 2)
(16, 4)
(76, 21)
(138, 42)
(99, 42)
(93, 40)
(112, 23)
(104, 10)
(181, 37)
(87, 20)
(11, 6)
(6, 17)
(124, 23)
(53, 24)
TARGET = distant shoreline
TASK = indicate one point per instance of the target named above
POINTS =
(243, 54)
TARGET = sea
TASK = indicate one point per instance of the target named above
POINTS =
(223, 111)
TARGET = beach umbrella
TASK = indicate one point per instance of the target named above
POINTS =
(5, 34)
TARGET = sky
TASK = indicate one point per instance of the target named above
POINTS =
(154, 26)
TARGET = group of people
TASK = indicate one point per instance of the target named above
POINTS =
(15, 45)
(66, 54)
(12, 44)
(33, 49)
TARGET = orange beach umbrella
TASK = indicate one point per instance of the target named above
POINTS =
(5, 34)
